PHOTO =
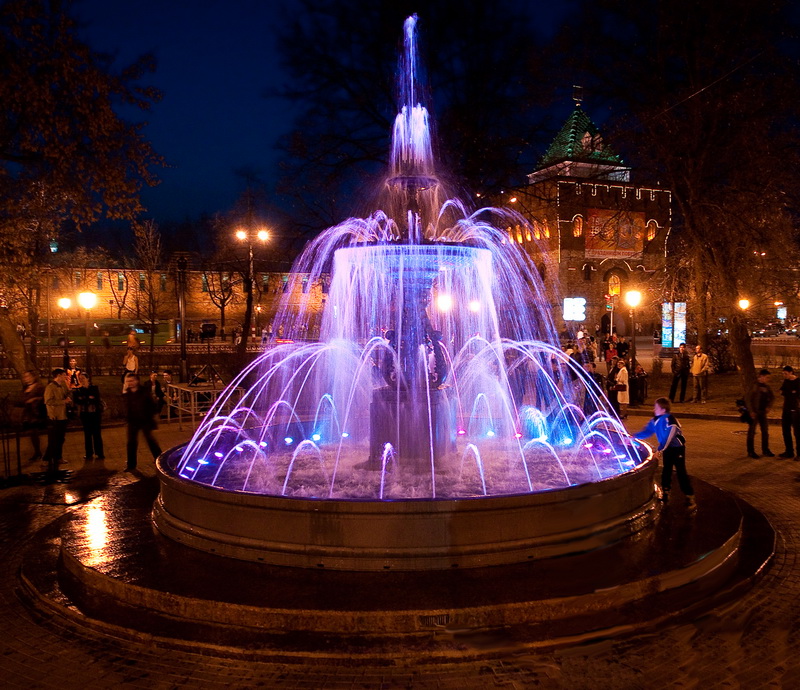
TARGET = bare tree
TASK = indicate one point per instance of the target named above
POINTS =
(150, 262)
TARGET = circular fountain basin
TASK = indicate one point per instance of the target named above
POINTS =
(404, 534)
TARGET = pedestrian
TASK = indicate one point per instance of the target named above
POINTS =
(617, 385)
(640, 379)
(130, 362)
(671, 447)
(57, 400)
(681, 365)
(700, 369)
(623, 347)
(73, 374)
(153, 386)
(593, 394)
(133, 340)
(758, 401)
(34, 412)
(141, 411)
(90, 407)
(790, 417)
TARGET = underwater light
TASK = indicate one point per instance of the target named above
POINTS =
(461, 432)
(239, 449)
(263, 444)
(345, 434)
(490, 433)
(518, 435)
(474, 306)
(316, 437)
(444, 302)
(217, 454)
(288, 440)
(203, 462)
(566, 441)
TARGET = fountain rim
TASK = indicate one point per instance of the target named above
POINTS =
(165, 471)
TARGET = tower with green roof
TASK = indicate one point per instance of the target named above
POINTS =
(590, 230)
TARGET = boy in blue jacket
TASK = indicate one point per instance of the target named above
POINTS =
(671, 446)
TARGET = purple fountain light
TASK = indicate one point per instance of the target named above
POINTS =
(438, 373)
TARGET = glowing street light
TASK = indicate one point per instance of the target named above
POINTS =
(744, 304)
(88, 301)
(633, 298)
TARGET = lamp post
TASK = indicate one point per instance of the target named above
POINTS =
(182, 264)
(633, 299)
(65, 303)
(88, 301)
(249, 235)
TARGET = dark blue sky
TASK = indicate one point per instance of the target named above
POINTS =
(216, 59)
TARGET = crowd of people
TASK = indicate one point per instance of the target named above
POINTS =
(71, 394)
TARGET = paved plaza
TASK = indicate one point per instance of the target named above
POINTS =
(751, 643)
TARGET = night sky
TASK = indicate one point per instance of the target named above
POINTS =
(216, 62)
(216, 59)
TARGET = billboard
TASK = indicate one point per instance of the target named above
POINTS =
(614, 234)
(673, 324)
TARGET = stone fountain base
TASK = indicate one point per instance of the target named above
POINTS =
(106, 567)
(404, 535)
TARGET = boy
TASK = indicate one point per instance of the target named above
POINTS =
(672, 447)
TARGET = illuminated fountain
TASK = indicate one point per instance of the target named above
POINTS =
(436, 423)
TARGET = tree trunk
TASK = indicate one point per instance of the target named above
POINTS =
(740, 344)
(14, 347)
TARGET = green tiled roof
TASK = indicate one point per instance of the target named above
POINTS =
(579, 140)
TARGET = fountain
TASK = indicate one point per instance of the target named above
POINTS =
(437, 385)
(435, 480)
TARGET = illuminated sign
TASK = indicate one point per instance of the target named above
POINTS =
(574, 309)
(673, 324)
(614, 234)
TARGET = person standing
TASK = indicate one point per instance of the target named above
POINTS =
(681, 364)
(56, 400)
(701, 366)
(153, 386)
(130, 362)
(672, 446)
(141, 411)
(90, 407)
(758, 401)
(133, 340)
(790, 417)
(34, 412)
(73, 374)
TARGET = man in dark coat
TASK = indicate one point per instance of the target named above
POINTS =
(681, 364)
(141, 412)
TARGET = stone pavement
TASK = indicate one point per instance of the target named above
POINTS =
(752, 643)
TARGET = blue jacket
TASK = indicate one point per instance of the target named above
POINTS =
(662, 426)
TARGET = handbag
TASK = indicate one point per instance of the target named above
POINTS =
(619, 387)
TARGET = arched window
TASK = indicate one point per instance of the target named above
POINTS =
(614, 284)
(537, 230)
(577, 226)
(546, 229)
(652, 230)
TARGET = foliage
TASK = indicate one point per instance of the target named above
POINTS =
(66, 154)
(700, 92)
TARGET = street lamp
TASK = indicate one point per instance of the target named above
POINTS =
(249, 235)
(65, 303)
(88, 301)
(633, 298)
(744, 304)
